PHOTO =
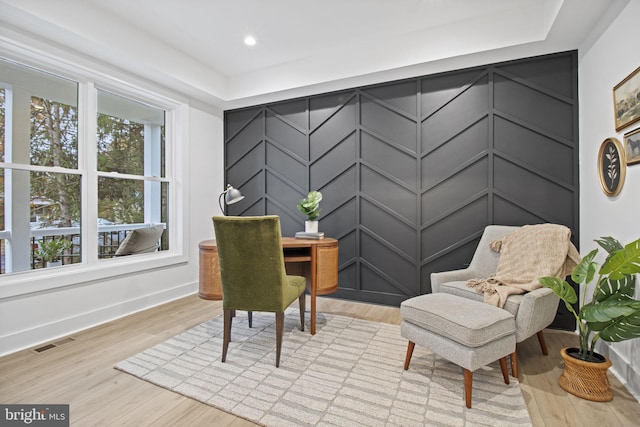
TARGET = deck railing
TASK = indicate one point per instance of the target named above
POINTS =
(109, 239)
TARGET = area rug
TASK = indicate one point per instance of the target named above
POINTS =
(349, 374)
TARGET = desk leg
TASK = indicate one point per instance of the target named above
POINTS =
(313, 277)
(304, 269)
(313, 310)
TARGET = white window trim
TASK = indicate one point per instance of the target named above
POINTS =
(176, 137)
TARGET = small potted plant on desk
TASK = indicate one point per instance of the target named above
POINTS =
(52, 250)
(612, 315)
(310, 206)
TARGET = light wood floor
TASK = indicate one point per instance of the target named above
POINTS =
(80, 372)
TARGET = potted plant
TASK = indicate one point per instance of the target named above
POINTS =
(51, 251)
(612, 315)
(310, 206)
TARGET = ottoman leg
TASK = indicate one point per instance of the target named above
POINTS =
(505, 371)
(407, 359)
(468, 381)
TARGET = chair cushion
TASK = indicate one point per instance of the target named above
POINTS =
(461, 289)
(296, 285)
(465, 321)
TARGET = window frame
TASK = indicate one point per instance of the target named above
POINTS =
(91, 268)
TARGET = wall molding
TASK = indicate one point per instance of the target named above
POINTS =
(413, 170)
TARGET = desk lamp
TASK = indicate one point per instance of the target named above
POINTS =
(231, 196)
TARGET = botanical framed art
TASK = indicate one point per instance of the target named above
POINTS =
(632, 146)
(611, 166)
(626, 100)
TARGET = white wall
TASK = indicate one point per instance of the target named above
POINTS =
(602, 66)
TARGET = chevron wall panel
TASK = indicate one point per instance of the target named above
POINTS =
(412, 171)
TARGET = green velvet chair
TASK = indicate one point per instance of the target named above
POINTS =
(253, 272)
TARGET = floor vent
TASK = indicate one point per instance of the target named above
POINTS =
(53, 345)
(44, 348)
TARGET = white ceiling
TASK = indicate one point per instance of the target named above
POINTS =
(196, 46)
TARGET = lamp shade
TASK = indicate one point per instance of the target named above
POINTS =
(231, 196)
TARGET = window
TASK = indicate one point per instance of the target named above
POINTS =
(41, 193)
(59, 183)
(132, 187)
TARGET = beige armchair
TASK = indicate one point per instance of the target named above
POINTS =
(533, 311)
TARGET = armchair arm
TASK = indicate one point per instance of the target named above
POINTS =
(450, 276)
(537, 310)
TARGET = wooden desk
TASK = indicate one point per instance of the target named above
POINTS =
(316, 260)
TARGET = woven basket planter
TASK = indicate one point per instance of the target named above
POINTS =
(587, 380)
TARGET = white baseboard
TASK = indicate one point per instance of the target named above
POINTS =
(623, 369)
(64, 327)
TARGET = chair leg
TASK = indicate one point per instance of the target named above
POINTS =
(228, 318)
(302, 302)
(503, 368)
(250, 317)
(407, 358)
(514, 364)
(279, 331)
(468, 382)
(543, 344)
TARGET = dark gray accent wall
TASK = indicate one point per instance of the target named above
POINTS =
(412, 171)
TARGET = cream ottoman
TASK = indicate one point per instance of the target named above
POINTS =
(469, 333)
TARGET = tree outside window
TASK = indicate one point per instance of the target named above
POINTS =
(131, 152)
(55, 197)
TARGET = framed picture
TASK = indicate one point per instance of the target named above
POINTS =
(626, 100)
(612, 167)
(632, 146)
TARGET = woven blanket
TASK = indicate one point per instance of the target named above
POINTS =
(526, 254)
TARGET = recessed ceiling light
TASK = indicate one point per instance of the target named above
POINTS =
(249, 41)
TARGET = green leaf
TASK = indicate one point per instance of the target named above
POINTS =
(608, 310)
(586, 269)
(310, 205)
(623, 262)
(314, 197)
(561, 288)
(623, 328)
(609, 244)
(621, 289)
